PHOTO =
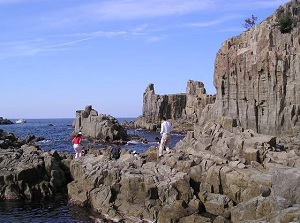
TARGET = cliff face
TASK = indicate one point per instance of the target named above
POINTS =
(257, 77)
(180, 108)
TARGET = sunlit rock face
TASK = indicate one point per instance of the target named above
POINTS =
(257, 76)
(183, 109)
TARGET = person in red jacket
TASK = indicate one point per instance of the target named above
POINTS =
(77, 145)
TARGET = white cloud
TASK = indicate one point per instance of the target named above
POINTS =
(205, 23)
(155, 38)
(136, 9)
(233, 5)
(34, 47)
(269, 4)
(140, 9)
(94, 11)
(121, 10)
(20, 48)
(213, 22)
(89, 36)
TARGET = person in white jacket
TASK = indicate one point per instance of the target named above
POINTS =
(165, 132)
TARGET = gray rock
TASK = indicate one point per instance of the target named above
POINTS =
(102, 127)
(183, 109)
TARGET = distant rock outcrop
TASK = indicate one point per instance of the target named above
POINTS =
(4, 121)
(102, 127)
(183, 109)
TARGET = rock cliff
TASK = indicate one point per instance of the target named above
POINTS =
(183, 109)
(224, 170)
(257, 76)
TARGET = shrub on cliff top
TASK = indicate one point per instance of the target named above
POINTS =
(250, 22)
(286, 23)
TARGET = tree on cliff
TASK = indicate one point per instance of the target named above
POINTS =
(250, 22)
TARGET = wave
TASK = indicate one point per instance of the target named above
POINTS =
(44, 141)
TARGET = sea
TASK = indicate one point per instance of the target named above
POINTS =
(56, 134)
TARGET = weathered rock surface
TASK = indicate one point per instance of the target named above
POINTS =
(102, 127)
(183, 109)
(257, 77)
(225, 176)
(224, 170)
(131, 186)
(235, 166)
(26, 172)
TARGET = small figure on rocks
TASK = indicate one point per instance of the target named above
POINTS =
(165, 132)
(77, 145)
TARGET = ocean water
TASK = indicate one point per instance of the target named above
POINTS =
(57, 136)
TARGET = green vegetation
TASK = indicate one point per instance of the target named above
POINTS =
(286, 23)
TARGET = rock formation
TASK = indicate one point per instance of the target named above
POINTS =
(183, 109)
(257, 77)
(4, 121)
(104, 127)
(234, 167)
(27, 172)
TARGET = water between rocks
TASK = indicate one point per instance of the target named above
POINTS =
(57, 136)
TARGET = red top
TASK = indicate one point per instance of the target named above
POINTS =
(77, 140)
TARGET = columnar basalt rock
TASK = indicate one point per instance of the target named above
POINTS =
(184, 109)
(224, 169)
(257, 77)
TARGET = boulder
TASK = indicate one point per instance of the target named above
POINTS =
(27, 172)
(101, 127)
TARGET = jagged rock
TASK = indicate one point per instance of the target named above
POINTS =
(27, 172)
(183, 109)
(148, 190)
(195, 219)
(218, 204)
(225, 169)
(103, 127)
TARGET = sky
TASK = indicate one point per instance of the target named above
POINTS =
(58, 56)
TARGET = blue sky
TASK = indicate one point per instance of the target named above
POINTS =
(57, 56)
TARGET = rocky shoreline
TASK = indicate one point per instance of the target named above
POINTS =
(238, 163)
(200, 180)
(27, 172)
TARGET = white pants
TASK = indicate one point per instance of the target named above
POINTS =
(78, 150)
(164, 142)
